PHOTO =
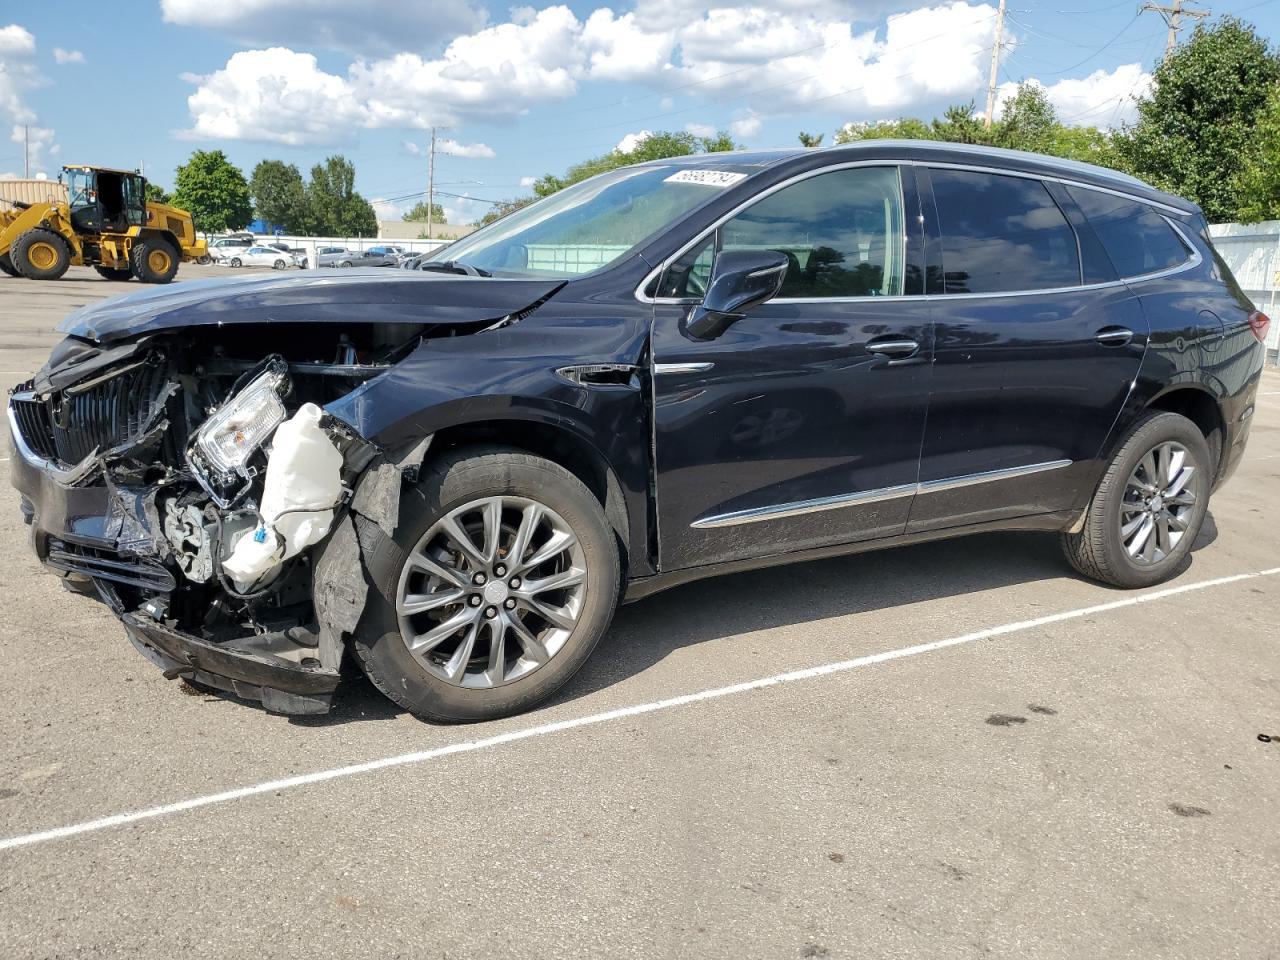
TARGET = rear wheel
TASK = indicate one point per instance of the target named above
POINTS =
(1149, 505)
(111, 273)
(154, 260)
(7, 267)
(278, 265)
(41, 254)
(506, 576)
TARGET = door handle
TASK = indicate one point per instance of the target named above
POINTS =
(898, 347)
(1114, 336)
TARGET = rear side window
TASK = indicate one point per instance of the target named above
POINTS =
(1137, 239)
(1002, 234)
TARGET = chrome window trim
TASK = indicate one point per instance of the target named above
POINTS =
(820, 504)
(1191, 263)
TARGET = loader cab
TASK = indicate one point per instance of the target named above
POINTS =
(105, 201)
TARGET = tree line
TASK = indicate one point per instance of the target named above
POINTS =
(1208, 130)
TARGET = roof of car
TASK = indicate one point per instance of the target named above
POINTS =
(939, 152)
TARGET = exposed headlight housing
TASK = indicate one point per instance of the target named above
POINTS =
(232, 434)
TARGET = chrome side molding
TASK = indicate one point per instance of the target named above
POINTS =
(800, 507)
(682, 367)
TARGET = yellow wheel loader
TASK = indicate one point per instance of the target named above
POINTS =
(106, 223)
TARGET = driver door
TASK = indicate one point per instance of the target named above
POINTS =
(801, 425)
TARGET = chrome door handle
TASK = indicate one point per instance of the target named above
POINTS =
(893, 347)
(1114, 336)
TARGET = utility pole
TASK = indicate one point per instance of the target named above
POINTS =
(431, 180)
(26, 152)
(1173, 15)
(995, 67)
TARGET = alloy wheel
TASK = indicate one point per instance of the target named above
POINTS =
(492, 591)
(1158, 503)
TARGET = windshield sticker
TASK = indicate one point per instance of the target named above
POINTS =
(708, 178)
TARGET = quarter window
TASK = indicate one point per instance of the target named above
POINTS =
(1137, 239)
(1001, 234)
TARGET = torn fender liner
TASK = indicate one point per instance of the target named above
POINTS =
(338, 590)
(364, 296)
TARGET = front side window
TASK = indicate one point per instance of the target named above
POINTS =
(1137, 239)
(841, 232)
(1002, 234)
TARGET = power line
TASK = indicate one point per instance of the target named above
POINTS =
(1173, 15)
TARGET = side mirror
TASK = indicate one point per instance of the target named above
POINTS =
(740, 280)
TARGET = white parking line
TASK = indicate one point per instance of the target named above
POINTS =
(526, 733)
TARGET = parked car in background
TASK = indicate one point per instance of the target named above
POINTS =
(452, 476)
(379, 256)
(260, 257)
(332, 256)
(224, 247)
(297, 254)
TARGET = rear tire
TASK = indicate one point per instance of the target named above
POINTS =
(41, 254)
(111, 273)
(278, 265)
(503, 657)
(1146, 513)
(7, 267)
(154, 260)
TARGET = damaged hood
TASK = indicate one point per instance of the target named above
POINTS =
(372, 295)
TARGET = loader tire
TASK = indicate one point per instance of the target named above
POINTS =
(154, 260)
(7, 267)
(111, 273)
(41, 254)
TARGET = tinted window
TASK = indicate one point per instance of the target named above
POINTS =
(841, 232)
(1002, 233)
(1137, 239)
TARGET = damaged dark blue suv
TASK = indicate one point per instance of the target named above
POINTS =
(451, 477)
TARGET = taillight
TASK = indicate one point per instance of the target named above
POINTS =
(1259, 323)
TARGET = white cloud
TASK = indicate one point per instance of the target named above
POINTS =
(63, 57)
(747, 126)
(18, 73)
(633, 140)
(527, 182)
(470, 151)
(411, 148)
(1102, 99)
(700, 129)
(276, 96)
(367, 27)
(619, 49)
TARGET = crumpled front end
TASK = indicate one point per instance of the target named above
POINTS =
(193, 482)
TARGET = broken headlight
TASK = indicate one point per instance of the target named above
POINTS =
(234, 432)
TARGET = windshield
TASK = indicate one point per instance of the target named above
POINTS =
(591, 224)
(80, 191)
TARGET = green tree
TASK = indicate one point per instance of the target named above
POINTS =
(1027, 121)
(656, 146)
(156, 194)
(418, 212)
(334, 208)
(1196, 132)
(1260, 178)
(811, 139)
(279, 196)
(214, 191)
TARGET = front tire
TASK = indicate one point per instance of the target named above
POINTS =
(41, 254)
(1149, 506)
(505, 577)
(236, 262)
(154, 260)
(111, 273)
(7, 267)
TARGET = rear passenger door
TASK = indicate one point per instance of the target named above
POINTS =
(1036, 346)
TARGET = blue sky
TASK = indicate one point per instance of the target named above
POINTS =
(522, 91)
